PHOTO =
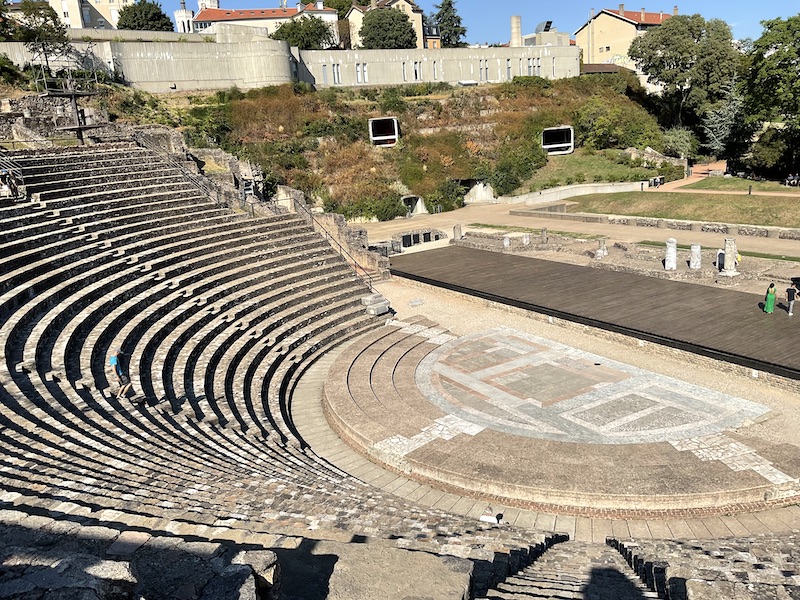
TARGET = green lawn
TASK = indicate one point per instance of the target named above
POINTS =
(737, 184)
(583, 167)
(781, 211)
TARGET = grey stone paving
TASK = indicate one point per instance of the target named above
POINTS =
(524, 385)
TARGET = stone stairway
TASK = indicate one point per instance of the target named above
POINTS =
(574, 570)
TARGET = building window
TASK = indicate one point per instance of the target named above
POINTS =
(66, 15)
(358, 72)
(87, 16)
(417, 71)
(324, 74)
(538, 67)
(601, 48)
(435, 74)
(608, 48)
(405, 78)
(337, 74)
(530, 66)
(508, 68)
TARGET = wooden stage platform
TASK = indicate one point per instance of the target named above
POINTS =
(721, 323)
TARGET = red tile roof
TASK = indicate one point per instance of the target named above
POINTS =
(221, 14)
(650, 18)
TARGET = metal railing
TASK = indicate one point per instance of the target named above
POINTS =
(205, 185)
(300, 206)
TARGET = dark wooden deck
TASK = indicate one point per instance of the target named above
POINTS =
(721, 323)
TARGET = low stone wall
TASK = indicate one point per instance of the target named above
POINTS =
(570, 191)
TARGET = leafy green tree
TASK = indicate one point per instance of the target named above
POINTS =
(692, 59)
(450, 28)
(144, 15)
(728, 128)
(773, 84)
(601, 123)
(307, 33)
(42, 31)
(342, 7)
(387, 28)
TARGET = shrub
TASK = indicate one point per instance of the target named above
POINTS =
(449, 195)
(601, 123)
(392, 102)
(10, 74)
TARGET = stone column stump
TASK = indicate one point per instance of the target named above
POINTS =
(671, 256)
(695, 258)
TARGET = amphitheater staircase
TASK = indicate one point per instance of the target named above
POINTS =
(574, 570)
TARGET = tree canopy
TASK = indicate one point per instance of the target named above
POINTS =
(342, 7)
(144, 15)
(450, 28)
(387, 28)
(41, 30)
(774, 80)
(773, 91)
(693, 59)
(307, 33)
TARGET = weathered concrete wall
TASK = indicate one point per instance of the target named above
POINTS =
(19, 55)
(569, 191)
(242, 57)
(120, 35)
(325, 68)
(175, 66)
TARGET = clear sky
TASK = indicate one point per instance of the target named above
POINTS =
(489, 21)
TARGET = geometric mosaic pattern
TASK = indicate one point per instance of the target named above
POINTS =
(524, 385)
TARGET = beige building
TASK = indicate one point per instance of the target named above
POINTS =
(607, 35)
(89, 14)
(355, 17)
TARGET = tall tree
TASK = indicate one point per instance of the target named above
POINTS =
(144, 15)
(450, 28)
(727, 126)
(387, 28)
(307, 33)
(42, 31)
(692, 59)
(342, 7)
(773, 82)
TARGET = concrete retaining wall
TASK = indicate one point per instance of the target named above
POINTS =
(570, 191)
(449, 65)
(167, 66)
(241, 56)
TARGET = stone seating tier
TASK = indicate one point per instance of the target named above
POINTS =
(750, 568)
(220, 313)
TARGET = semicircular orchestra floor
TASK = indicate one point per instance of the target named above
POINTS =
(509, 416)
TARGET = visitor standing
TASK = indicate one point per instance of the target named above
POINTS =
(791, 296)
(769, 299)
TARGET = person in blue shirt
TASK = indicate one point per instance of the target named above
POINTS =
(123, 380)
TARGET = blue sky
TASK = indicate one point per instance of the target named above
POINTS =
(490, 21)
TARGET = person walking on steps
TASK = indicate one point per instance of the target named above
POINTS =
(123, 380)
(791, 296)
(769, 299)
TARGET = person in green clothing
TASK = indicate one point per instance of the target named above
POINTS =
(769, 300)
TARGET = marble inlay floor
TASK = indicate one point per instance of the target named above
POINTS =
(520, 384)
